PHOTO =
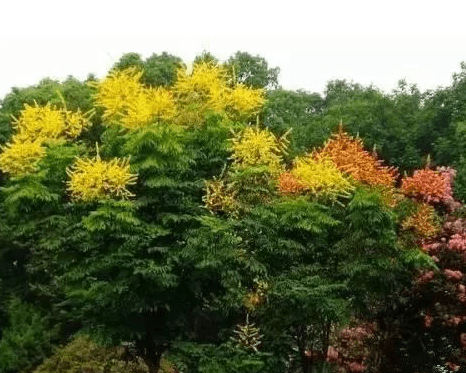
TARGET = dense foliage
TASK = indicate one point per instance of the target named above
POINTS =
(204, 216)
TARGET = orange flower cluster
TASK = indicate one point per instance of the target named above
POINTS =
(350, 157)
(289, 184)
(423, 221)
(427, 185)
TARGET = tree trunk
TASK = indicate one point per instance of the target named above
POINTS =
(306, 361)
(153, 365)
(151, 352)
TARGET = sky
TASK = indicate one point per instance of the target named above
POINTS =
(312, 42)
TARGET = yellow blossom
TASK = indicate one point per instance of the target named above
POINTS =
(21, 158)
(162, 103)
(204, 79)
(244, 100)
(39, 123)
(118, 91)
(46, 123)
(199, 91)
(75, 122)
(321, 177)
(257, 147)
(147, 106)
(94, 179)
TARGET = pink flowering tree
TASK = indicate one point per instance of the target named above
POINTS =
(428, 319)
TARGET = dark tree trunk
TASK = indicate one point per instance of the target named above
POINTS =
(153, 364)
(301, 339)
(151, 351)
(326, 340)
(306, 361)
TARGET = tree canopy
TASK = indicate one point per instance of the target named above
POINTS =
(206, 216)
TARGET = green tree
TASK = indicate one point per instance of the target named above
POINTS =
(160, 70)
(301, 111)
(387, 123)
(252, 71)
(129, 60)
(27, 338)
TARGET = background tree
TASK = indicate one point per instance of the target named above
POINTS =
(252, 71)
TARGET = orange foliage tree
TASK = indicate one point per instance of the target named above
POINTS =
(349, 156)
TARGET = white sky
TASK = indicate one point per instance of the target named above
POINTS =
(312, 42)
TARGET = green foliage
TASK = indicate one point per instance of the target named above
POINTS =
(129, 60)
(300, 111)
(252, 71)
(158, 70)
(205, 57)
(368, 253)
(198, 358)
(27, 338)
(82, 354)
(28, 196)
(389, 123)
(460, 179)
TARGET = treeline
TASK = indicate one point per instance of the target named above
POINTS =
(203, 219)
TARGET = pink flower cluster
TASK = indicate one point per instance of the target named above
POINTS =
(455, 320)
(350, 351)
(452, 366)
(458, 242)
(428, 321)
(449, 175)
(453, 239)
(425, 277)
(453, 275)
(461, 293)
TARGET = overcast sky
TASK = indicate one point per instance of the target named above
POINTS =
(311, 41)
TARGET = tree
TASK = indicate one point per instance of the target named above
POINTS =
(129, 60)
(252, 71)
(299, 111)
(105, 234)
(160, 70)
(388, 124)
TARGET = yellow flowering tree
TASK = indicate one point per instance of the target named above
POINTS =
(36, 127)
(94, 179)
(116, 92)
(257, 156)
(258, 147)
(20, 158)
(321, 177)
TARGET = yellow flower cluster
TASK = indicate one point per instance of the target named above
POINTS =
(321, 177)
(75, 123)
(207, 86)
(35, 126)
(243, 100)
(117, 91)
(151, 104)
(94, 179)
(205, 79)
(46, 123)
(257, 147)
(20, 158)
(130, 103)
(39, 123)
(127, 101)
